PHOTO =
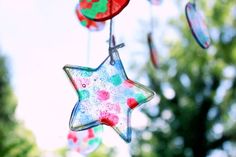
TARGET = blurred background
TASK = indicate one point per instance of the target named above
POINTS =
(196, 111)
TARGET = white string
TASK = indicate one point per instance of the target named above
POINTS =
(151, 17)
(88, 48)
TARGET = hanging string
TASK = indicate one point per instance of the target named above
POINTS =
(88, 47)
(113, 41)
(110, 37)
(152, 49)
(151, 17)
(110, 49)
(112, 45)
(110, 34)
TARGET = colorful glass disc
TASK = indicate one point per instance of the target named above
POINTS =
(85, 142)
(152, 51)
(101, 10)
(106, 96)
(91, 25)
(197, 25)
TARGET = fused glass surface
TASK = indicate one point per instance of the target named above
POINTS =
(152, 51)
(197, 25)
(106, 96)
(155, 2)
(86, 141)
(101, 10)
(90, 24)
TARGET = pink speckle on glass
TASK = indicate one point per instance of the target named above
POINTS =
(103, 95)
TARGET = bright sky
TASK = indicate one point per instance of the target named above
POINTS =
(40, 37)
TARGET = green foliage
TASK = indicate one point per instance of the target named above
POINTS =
(198, 118)
(102, 151)
(62, 151)
(15, 140)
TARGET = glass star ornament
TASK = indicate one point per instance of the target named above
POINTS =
(101, 10)
(106, 96)
(197, 25)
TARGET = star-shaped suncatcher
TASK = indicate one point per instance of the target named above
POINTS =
(106, 96)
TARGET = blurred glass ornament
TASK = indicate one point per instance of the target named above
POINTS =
(90, 24)
(197, 25)
(152, 51)
(86, 141)
(101, 10)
